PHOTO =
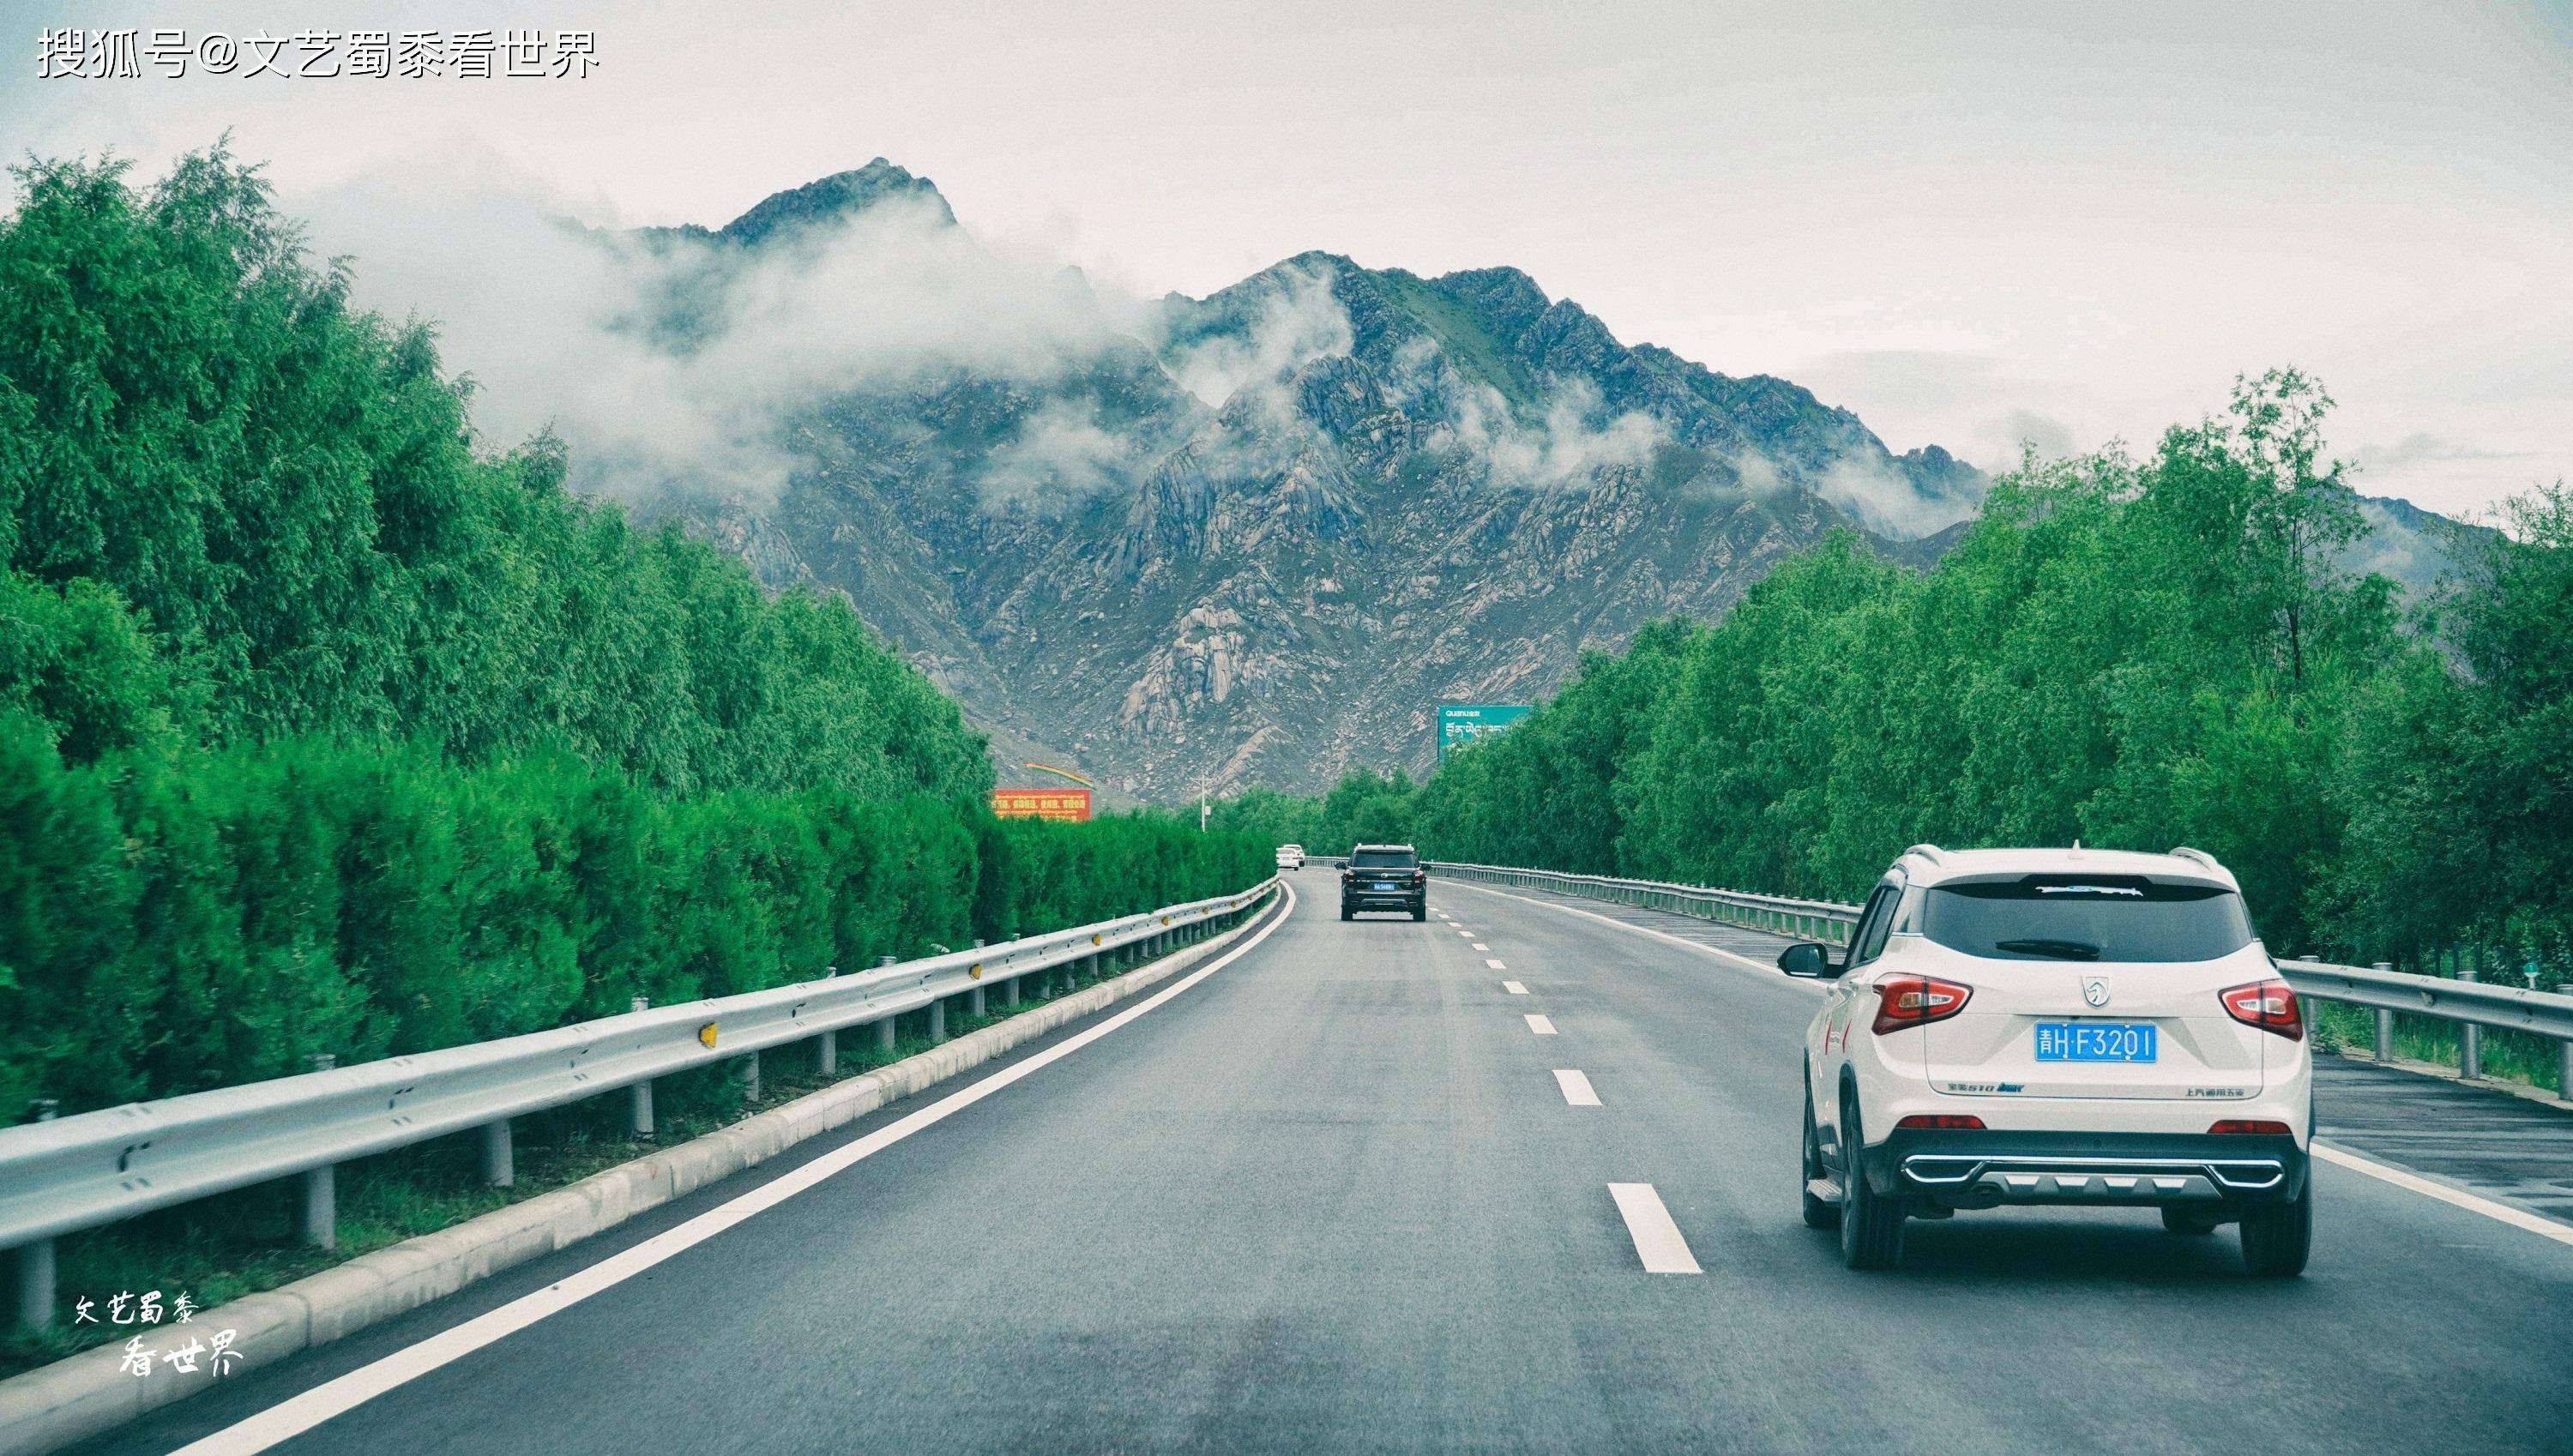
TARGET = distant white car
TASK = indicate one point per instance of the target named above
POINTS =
(2063, 1027)
(1290, 856)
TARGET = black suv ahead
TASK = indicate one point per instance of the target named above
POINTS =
(1384, 876)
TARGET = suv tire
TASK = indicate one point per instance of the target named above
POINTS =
(1871, 1223)
(1818, 1215)
(1346, 913)
(2277, 1237)
(1420, 911)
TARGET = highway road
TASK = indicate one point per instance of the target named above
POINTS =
(1384, 1186)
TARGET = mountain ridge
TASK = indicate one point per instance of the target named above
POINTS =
(1325, 498)
(1256, 537)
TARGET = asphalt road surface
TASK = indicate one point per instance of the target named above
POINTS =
(1386, 1186)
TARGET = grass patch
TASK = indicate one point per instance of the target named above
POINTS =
(2507, 1055)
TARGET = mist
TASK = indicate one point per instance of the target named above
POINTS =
(563, 326)
(683, 369)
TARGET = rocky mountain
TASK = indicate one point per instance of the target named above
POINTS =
(1258, 537)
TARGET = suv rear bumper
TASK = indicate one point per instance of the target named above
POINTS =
(1984, 1169)
(1380, 900)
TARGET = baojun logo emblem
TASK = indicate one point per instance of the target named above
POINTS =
(2096, 992)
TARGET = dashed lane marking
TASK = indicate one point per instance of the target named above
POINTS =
(1576, 1088)
(1543, 1026)
(1513, 988)
(1657, 1240)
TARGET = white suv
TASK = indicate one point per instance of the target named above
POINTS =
(2069, 1026)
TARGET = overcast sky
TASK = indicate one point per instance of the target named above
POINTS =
(1968, 223)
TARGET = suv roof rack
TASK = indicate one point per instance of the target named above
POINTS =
(2184, 851)
(1929, 852)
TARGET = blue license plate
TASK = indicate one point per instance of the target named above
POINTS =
(1384, 884)
(2095, 1041)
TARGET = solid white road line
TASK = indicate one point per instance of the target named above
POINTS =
(301, 1413)
(1576, 1088)
(2458, 1198)
(1513, 988)
(1657, 1240)
(1768, 972)
(1495, 964)
(1541, 1025)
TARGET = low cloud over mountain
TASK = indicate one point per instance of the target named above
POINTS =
(1251, 537)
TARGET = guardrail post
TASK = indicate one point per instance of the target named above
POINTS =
(979, 1002)
(885, 1028)
(2384, 1026)
(826, 1047)
(2564, 1071)
(2470, 1037)
(320, 1224)
(639, 1096)
(750, 1077)
(500, 1159)
(36, 1260)
(938, 1021)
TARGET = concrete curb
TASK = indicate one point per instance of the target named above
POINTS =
(88, 1394)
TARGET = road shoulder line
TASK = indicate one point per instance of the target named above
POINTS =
(1765, 973)
(2445, 1193)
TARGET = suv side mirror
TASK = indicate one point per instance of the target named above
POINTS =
(1809, 960)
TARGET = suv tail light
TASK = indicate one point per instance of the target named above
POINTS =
(1916, 1001)
(1943, 1122)
(2268, 1004)
(2247, 1125)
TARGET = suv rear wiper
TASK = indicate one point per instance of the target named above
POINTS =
(2059, 950)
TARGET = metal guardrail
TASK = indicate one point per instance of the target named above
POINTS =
(1826, 920)
(2471, 1005)
(61, 1175)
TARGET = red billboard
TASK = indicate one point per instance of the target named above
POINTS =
(1069, 806)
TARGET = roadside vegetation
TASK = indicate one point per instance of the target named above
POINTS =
(2131, 652)
(324, 728)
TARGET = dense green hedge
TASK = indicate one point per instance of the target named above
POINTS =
(2134, 653)
(191, 921)
(322, 730)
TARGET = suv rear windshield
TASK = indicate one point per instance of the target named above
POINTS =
(2096, 918)
(1383, 858)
